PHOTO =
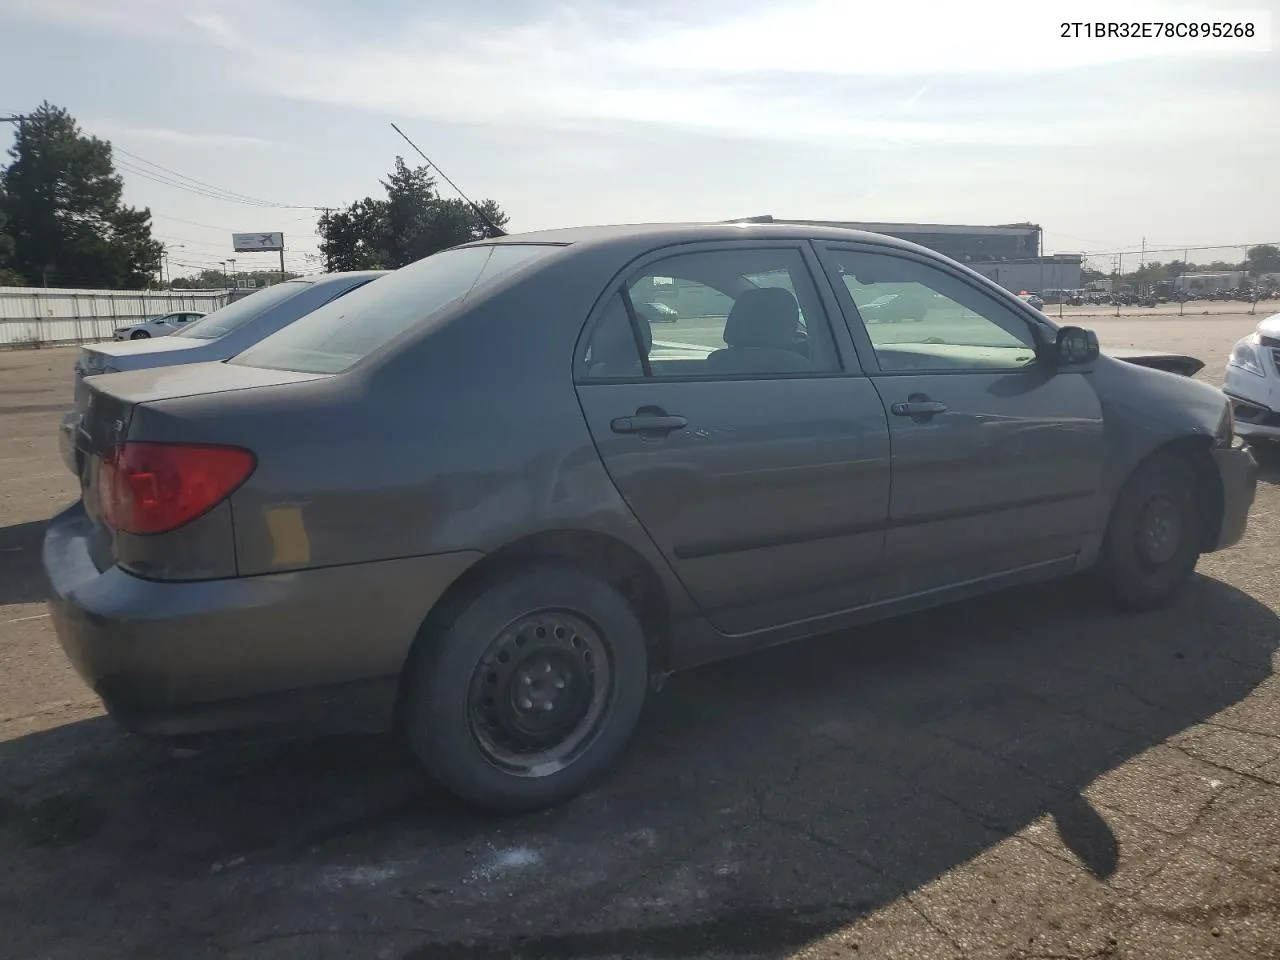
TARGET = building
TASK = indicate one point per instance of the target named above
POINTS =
(1059, 271)
(1010, 254)
(1209, 282)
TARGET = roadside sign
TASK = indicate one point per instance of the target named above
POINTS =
(257, 242)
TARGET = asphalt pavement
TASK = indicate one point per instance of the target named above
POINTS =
(1025, 776)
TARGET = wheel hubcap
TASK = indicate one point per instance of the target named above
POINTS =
(1159, 530)
(539, 693)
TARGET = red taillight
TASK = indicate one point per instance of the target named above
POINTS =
(157, 487)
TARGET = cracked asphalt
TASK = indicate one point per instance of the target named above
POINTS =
(1026, 776)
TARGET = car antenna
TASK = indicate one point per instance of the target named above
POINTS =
(494, 229)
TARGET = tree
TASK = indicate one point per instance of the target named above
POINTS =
(413, 222)
(353, 239)
(62, 198)
(9, 277)
(1264, 258)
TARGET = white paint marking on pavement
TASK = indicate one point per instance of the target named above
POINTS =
(339, 877)
(505, 861)
(43, 476)
(38, 616)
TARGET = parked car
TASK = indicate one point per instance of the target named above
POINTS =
(215, 336)
(1252, 381)
(157, 326)
(1032, 300)
(660, 312)
(477, 502)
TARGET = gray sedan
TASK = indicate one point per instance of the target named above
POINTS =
(484, 502)
(214, 336)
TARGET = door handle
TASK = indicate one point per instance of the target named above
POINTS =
(648, 423)
(918, 408)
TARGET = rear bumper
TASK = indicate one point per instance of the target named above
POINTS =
(314, 650)
(1239, 475)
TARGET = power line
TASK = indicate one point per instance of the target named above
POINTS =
(193, 223)
(1179, 249)
(145, 174)
(232, 195)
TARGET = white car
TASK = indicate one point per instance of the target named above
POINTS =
(157, 326)
(1253, 383)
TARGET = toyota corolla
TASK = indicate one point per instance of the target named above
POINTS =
(486, 501)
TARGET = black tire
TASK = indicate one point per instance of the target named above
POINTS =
(139, 335)
(1155, 535)
(458, 739)
(1266, 452)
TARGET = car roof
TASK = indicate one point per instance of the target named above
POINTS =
(664, 233)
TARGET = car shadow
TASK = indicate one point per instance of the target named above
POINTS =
(765, 803)
(21, 580)
(1268, 465)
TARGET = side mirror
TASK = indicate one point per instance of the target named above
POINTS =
(1075, 345)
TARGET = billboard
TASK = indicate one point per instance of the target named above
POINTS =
(257, 242)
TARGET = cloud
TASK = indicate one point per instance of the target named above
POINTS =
(801, 72)
(111, 129)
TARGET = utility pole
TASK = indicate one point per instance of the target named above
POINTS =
(232, 261)
(1115, 292)
(1182, 294)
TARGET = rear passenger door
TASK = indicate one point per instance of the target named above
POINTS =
(997, 457)
(739, 428)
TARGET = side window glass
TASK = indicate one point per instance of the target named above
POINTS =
(612, 352)
(921, 318)
(743, 313)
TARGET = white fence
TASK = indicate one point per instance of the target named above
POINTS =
(35, 316)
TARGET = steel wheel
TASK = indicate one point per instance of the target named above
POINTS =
(1155, 534)
(1159, 529)
(527, 687)
(539, 692)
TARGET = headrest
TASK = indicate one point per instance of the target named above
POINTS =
(768, 317)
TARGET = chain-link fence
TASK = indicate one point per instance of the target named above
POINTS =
(36, 316)
(1169, 280)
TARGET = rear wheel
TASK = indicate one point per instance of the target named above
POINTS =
(1156, 534)
(139, 335)
(529, 689)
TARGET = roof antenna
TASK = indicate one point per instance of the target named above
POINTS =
(494, 230)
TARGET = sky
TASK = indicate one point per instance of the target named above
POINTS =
(622, 111)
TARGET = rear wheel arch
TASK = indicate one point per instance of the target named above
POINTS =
(600, 555)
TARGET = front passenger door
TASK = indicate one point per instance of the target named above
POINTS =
(997, 458)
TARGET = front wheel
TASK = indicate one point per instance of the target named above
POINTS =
(139, 335)
(1156, 534)
(1266, 452)
(528, 690)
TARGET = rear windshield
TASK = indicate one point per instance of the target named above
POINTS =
(235, 315)
(344, 331)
